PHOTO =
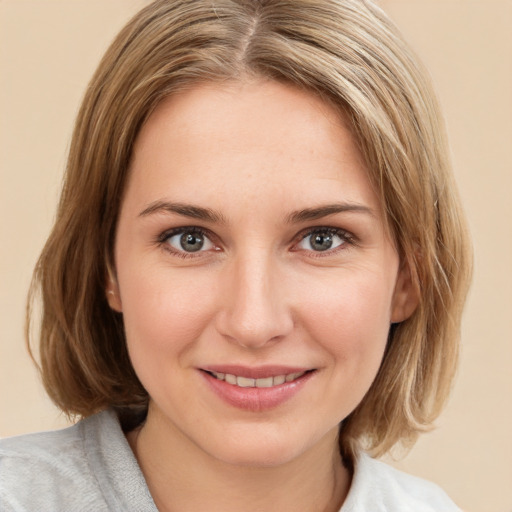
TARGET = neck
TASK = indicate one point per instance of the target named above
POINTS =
(181, 477)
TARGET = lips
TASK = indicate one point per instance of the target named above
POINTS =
(256, 389)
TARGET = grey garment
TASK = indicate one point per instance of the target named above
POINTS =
(377, 487)
(90, 467)
(86, 467)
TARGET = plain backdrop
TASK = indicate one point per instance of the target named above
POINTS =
(48, 51)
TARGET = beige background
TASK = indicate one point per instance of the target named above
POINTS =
(49, 49)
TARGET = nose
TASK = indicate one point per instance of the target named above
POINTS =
(254, 310)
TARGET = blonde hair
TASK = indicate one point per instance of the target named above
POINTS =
(351, 55)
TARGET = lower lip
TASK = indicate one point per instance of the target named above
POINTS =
(256, 399)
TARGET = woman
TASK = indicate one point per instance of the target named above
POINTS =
(256, 273)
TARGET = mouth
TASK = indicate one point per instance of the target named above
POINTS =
(262, 382)
(256, 389)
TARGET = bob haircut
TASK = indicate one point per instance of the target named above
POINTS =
(348, 53)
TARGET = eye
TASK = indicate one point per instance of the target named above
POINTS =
(188, 240)
(324, 239)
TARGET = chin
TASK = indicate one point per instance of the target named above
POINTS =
(267, 448)
(258, 456)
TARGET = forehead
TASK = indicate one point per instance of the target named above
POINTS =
(232, 138)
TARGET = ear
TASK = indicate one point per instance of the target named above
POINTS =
(406, 296)
(112, 292)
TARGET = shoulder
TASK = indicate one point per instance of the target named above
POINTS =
(52, 470)
(378, 487)
(43, 447)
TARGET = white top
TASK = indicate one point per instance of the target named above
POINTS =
(91, 467)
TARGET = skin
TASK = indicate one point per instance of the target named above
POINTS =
(258, 293)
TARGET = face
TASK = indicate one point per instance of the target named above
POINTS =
(254, 272)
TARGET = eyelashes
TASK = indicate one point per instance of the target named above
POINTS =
(191, 240)
(324, 239)
(194, 241)
(186, 242)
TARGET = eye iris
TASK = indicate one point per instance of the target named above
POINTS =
(321, 241)
(191, 242)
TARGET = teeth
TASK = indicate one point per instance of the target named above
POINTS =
(243, 382)
(267, 382)
(280, 379)
(230, 379)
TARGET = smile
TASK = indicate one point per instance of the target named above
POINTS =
(246, 382)
(256, 389)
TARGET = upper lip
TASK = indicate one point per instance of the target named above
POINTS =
(255, 372)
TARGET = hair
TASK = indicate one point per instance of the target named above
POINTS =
(348, 53)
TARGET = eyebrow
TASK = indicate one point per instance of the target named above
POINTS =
(324, 211)
(209, 215)
(186, 210)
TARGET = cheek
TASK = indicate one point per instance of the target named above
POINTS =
(350, 319)
(351, 325)
(164, 311)
(350, 302)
